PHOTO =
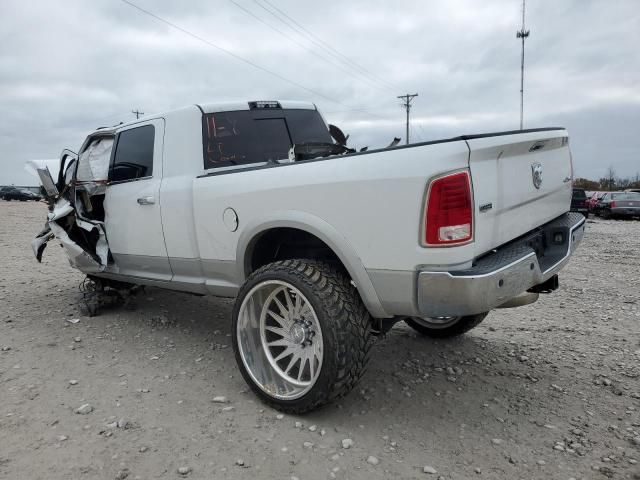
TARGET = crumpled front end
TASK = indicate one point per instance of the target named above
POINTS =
(75, 199)
(84, 242)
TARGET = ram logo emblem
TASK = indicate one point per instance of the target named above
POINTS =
(536, 174)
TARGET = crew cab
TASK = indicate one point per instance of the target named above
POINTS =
(321, 245)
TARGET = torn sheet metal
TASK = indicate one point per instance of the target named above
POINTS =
(53, 164)
(78, 258)
(61, 209)
(102, 247)
(63, 213)
(39, 243)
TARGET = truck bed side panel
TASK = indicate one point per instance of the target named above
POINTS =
(375, 201)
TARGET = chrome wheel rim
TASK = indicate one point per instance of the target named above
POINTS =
(280, 339)
(436, 322)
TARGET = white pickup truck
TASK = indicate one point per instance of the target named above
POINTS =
(322, 246)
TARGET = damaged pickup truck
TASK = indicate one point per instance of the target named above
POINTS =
(322, 246)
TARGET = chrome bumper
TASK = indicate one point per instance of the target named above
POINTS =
(502, 274)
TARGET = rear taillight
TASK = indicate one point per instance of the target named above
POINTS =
(449, 210)
(612, 204)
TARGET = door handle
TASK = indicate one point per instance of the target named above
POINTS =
(146, 201)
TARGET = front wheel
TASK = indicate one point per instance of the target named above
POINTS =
(301, 334)
(444, 327)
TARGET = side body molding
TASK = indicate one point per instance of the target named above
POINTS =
(325, 232)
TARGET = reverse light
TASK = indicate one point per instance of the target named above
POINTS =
(449, 210)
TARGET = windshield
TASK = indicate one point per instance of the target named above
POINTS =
(256, 136)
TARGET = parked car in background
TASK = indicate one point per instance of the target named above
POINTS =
(593, 200)
(633, 190)
(13, 193)
(579, 202)
(619, 204)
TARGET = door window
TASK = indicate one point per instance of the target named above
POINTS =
(133, 156)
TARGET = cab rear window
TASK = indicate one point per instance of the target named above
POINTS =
(258, 136)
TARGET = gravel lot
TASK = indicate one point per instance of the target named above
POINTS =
(549, 391)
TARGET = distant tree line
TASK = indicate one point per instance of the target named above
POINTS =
(611, 182)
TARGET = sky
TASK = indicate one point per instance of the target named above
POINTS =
(69, 66)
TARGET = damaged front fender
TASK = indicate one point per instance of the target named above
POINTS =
(63, 224)
(78, 257)
(39, 243)
(75, 201)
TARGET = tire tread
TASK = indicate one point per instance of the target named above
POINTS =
(348, 317)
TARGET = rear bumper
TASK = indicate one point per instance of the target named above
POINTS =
(626, 211)
(502, 274)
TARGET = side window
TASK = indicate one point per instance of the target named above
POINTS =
(133, 157)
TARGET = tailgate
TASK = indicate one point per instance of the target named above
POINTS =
(520, 181)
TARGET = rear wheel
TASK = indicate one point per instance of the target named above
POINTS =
(301, 334)
(444, 327)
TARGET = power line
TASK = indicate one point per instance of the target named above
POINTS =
(408, 98)
(363, 110)
(349, 110)
(329, 47)
(137, 113)
(228, 52)
(313, 52)
(313, 38)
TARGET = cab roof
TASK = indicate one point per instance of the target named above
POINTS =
(254, 104)
(215, 107)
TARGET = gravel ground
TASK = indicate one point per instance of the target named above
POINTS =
(548, 391)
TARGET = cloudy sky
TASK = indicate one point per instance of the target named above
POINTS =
(69, 66)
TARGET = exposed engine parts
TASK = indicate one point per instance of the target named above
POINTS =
(97, 293)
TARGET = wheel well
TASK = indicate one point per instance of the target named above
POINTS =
(287, 243)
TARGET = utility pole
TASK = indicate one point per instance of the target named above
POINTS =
(523, 34)
(407, 105)
(137, 113)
